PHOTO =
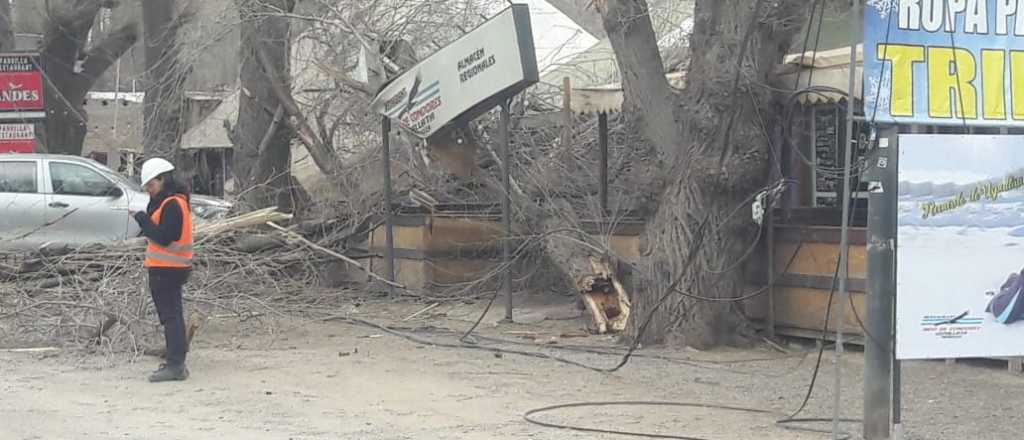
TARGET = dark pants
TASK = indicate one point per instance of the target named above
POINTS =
(165, 286)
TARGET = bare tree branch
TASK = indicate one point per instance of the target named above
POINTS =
(106, 53)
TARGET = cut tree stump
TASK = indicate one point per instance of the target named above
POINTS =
(589, 267)
(605, 298)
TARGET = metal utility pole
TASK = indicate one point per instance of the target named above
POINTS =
(878, 351)
(602, 136)
(844, 241)
(389, 227)
(506, 207)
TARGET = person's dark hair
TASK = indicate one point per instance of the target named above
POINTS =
(172, 185)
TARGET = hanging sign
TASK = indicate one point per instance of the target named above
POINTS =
(17, 138)
(465, 79)
(944, 62)
(960, 277)
(21, 86)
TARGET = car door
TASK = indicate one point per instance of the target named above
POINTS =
(84, 205)
(22, 204)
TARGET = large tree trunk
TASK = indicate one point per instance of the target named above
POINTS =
(6, 28)
(714, 150)
(165, 79)
(263, 138)
(71, 70)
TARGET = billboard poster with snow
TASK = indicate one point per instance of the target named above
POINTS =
(960, 247)
(946, 62)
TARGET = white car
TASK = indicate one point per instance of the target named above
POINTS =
(47, 198)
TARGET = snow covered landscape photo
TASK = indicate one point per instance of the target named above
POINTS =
(961, 234)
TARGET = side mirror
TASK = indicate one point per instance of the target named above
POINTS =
(115, 192)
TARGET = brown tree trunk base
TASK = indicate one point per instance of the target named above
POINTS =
(712, 140)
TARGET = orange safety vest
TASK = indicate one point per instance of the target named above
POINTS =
(178, 254)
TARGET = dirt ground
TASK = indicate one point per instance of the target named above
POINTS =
(290, 379)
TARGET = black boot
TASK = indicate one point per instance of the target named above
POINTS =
(167, 373)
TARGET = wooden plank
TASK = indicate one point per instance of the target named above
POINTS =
(819, 282)
(409, 273)
(822, 216)
(626, 246)
(406, 237)
(852, 339)
(448, 272)
(484, 252)
(623, 227)
(818, 234)
(805, 308)
(819, 259)
(456, 233)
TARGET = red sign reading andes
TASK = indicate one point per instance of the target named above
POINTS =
(21, 83)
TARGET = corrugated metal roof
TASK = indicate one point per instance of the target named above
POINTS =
(608, 98)
(210, 133)
(831, 68)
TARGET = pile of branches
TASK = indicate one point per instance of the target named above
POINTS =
(98, 294)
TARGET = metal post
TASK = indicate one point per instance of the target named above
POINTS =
(602, 128)
(893, 203)
(389, 226)
(769, 225)
(844, 241)
(878, 351)
(506, 208)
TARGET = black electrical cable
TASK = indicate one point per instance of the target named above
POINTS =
(754, 16)
(948, 12)
(792, 418)
(817, 40)
(786, 422)
(529, 416)
(881, 76)
(673, 289)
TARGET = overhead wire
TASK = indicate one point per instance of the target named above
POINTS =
(948, 12)
(785, 422)
(630, 352)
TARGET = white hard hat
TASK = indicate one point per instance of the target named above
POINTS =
(153, 168)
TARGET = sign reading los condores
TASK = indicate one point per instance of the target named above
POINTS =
(944, 61)
(466, 78)
(21, 84)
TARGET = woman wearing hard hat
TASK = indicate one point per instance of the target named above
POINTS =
(167, 225)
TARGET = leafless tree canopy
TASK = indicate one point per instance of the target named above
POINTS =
(72, 65)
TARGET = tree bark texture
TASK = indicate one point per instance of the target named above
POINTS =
(712, 140)
(6, 28)
(263, 147)
(165, 79)
(71, 70)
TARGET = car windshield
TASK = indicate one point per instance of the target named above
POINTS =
(118, 177)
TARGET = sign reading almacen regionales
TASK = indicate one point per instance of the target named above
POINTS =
(465, 79)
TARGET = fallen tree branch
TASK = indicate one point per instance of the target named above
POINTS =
(341, 257)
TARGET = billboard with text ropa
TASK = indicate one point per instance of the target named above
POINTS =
(466, 78)
(944, 62)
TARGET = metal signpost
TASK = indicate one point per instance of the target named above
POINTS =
(939, 62)
(483, 69)
(21, 101)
